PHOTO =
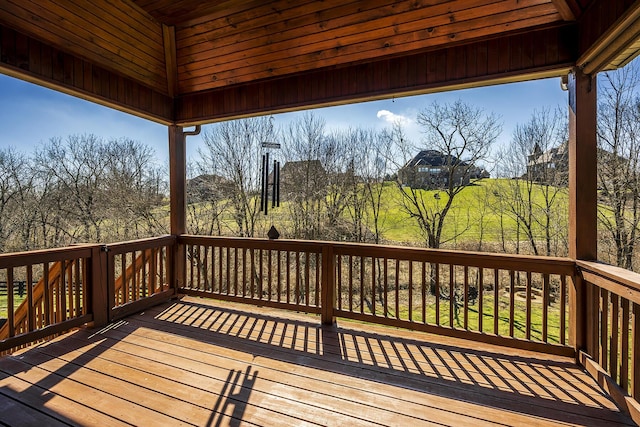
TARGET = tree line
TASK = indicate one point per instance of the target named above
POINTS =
(339, 184)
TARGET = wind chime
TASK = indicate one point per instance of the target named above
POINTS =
(270, 188)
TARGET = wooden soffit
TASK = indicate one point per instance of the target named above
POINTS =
(161, 59)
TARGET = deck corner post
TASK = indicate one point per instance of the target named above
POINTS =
(178, 207)
(583, 162)
(328, 285)
(99, 295)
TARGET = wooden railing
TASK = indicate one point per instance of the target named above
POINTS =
(611, 348)
(554, 305)
(511, 300)
(519, 301)
(59, 301)
(139, 274)
(286, 274)
(69, 287)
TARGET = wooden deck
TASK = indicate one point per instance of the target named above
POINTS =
(198, 362)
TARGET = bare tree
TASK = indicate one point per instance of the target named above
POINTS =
(462, 134)
(233, 151)
(537, 163)
(78, 172)
(619, 162)
(303, 176)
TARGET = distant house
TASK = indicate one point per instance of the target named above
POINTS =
(302, 177)
(550, 166)
(207, 188)
(433, 169)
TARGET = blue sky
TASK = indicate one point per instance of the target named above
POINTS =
(30, 115)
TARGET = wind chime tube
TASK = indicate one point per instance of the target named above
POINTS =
(278, 184)
(262, 185)
(275, 184)
(266, 184)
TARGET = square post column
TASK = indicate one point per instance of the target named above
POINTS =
(583, 163)
(583, 201)
(178, 206)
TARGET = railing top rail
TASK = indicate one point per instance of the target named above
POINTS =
(140, 244)
(536, 264)
(620, 281)
(255, 243)
(18, 259)
(539, 264)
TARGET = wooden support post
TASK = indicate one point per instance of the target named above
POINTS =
(98, 298)
(328, 285)
(178, 189)
(583, 197)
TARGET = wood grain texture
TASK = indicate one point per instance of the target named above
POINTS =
(199, 363)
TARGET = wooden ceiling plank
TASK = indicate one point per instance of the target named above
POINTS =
(268, 96)
(187, 12)
(68, 36)
(142, 26)
(347, 22)
(564, 10)
(126, 35)
(385, 41)
(389, 32)
(311, 62)
(238, 14)
(260, 22)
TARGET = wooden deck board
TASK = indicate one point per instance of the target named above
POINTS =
(196, 362)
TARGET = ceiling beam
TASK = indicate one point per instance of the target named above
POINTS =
(169, 40)
(617, 38)
(564, 9)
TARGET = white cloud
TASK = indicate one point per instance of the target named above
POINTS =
(390, 117)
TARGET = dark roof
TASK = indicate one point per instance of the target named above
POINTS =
(433, 158)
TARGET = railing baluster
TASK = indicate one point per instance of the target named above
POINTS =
(10, 303)
(437, 289)
(339, 280)
(410, 291)
(144, 283)
(228, 287)
(604, 327)
(397, 302)
(563, 310)
(235, 271)
(512, 304)
(205, 268)
(466, 297)
(624, 347)
(636, 352)
(307, 277)
(613, 339)
(61, 292)
(373, 285)
(480, 287)
(362, 278)
(496, 300)
(385, 291)
(423, 302)
(545, 307)
(30, 313)
(452, 295)
(48, 311)
(288, 277)
(298, 273)
(318, 285)
(220, 270)
(350, 283)
(279, 282)
(528, 304)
